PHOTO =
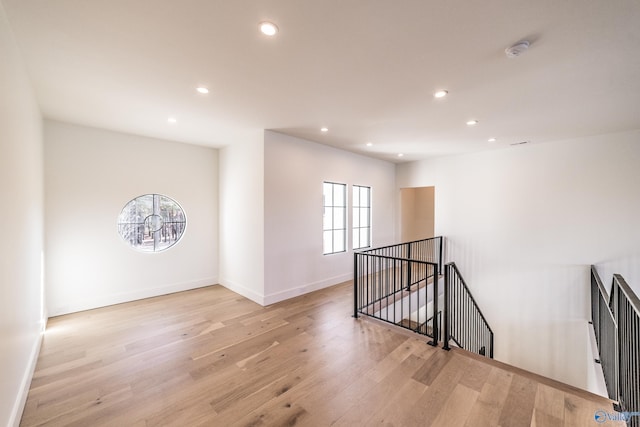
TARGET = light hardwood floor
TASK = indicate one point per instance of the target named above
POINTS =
(209, 357)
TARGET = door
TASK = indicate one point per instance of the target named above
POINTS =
(417, 206)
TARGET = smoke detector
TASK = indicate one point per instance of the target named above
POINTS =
(517, 49)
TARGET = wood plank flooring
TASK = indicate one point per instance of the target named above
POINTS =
(209, 357)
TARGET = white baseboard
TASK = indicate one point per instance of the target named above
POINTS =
(106, 300)
(242, 290)
(25, 384)
(305, 289)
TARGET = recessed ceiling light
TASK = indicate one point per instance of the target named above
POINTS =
(400, 155)
(492, 140)
(369, 144)
(202, 90)
(268, 28)
(440, 94)
(172, 120)
(472, 122)
(324, 129)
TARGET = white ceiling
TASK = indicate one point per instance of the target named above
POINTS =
(366, 69)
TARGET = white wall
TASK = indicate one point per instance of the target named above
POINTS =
(90, 175)
(294, 172)
(242, 216)
(21, 242)
(524, 224)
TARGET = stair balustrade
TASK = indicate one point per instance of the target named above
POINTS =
(464, 322)
(616, 324)
(401, 284)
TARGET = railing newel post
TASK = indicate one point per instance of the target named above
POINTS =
(355, 285)
(434, 342)
(446, 309)
(441, 240)
(491, 348)
(409, 266)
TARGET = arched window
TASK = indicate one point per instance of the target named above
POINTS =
(152, 222)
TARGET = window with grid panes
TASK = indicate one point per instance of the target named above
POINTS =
(361, 217)
(334, 219)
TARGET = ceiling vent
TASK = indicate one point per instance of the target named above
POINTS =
(517, 49)
(519, 143)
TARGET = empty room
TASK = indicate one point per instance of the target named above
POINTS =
(319, 213)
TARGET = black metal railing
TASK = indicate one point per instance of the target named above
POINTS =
(397, 291)
(626, 307)
(428, 250)
(400, 284)
(616, 323)
(464, 322)
(605, 329)
(397, 284)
